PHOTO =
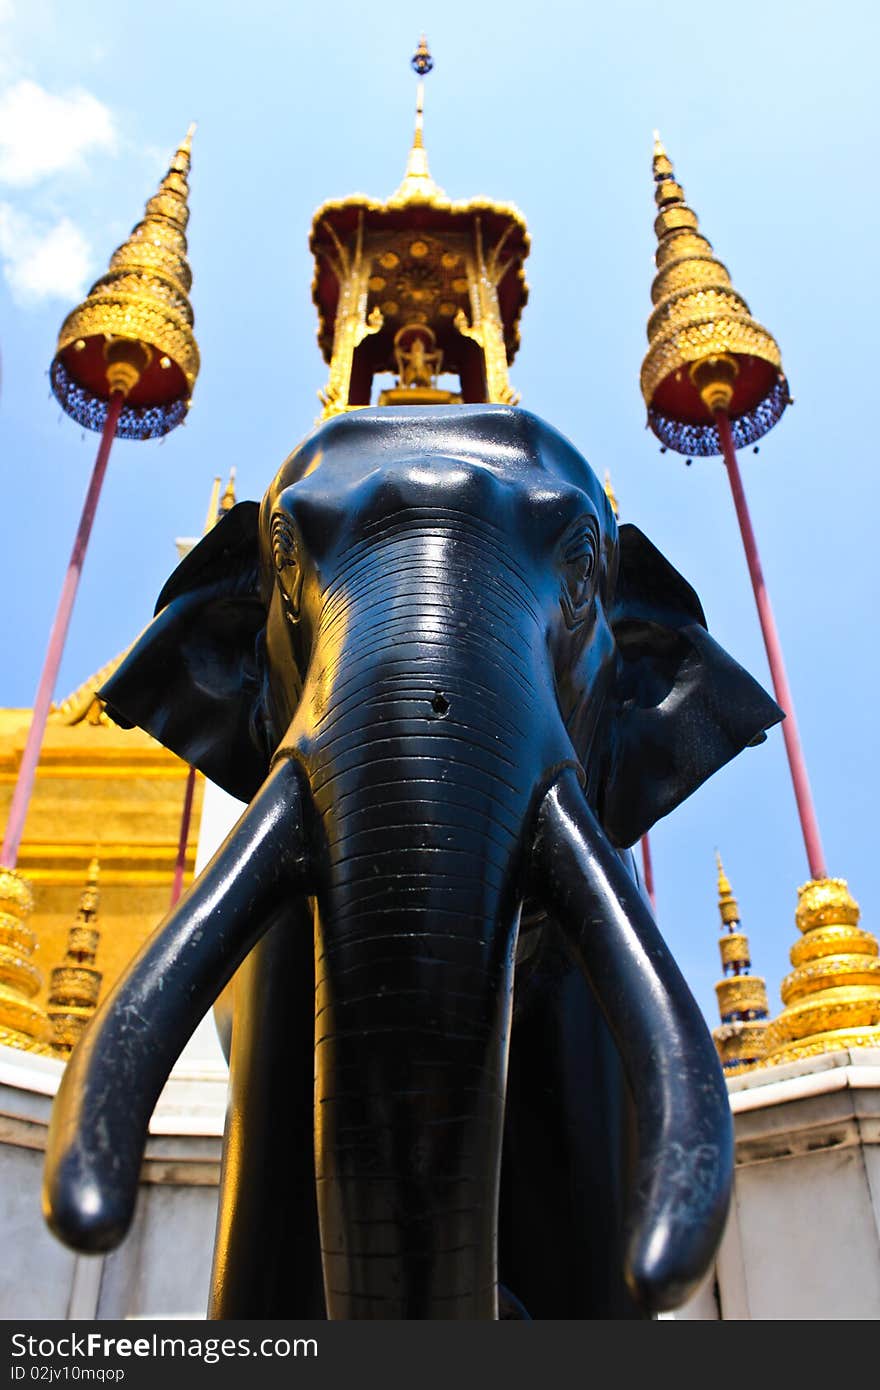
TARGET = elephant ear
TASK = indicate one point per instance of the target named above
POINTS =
(193, 679)
(681, 707)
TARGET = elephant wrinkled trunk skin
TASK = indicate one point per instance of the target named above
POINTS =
(417, 731)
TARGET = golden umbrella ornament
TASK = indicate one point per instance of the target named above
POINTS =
(125, 364)
(713, 382)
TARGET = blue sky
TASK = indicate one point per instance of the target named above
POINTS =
(768, 116)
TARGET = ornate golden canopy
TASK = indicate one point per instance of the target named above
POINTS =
(418, 260)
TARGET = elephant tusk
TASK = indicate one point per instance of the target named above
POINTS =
(684, 1169)
(101, 1115)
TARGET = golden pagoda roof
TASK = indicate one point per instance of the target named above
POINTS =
(418, 204)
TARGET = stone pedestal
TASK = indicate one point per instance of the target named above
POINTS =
(803, 1237)
(802, 1241)
(163, 1268)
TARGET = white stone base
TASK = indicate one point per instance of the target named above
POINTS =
(803, 1237)
(802, 1241)
(163, 1268)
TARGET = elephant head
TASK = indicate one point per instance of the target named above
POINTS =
(446, 683)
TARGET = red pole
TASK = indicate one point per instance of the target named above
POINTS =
(186, 817)
(802, 794)
(648, 871)
(28, 771)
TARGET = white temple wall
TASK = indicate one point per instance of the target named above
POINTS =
(803, 1237)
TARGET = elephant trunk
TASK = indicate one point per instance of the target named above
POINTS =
(684, 1172)
(425, 780)
(99, 1121)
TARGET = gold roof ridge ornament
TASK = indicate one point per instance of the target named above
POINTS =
(133, 333)
(831, 997)
(705, 350)
(741, 1040)
(415, 285)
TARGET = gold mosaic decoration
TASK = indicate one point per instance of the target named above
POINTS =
(832, 996)
(742, 997)
(22, 1023)
(142, 301)
(700, 321)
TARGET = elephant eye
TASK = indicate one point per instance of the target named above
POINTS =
(285, 556)
(283, 543)
(578, 567)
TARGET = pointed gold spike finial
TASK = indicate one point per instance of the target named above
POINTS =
(662, 162)
(227, 501)
(186, 143)
(610, 494)
(417, 185)
(133, 333)
(705, 350)
(213, 507)
(727, 904)
(724, 889)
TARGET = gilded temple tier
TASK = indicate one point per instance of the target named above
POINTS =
(23, 1024)
(832, 996)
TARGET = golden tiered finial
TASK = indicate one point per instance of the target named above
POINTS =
(134, 330)
(610, 494)
(75, 984)
(705, 351)
(23, 1024)
(832, 997)
(742, 997)
(417, 185)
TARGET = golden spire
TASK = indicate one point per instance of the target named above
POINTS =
(23, 1023)
(609, 493)
(227, 501)
(75, 984)
(742, 997)
(134, 330)
(213, 515)
(417, 185)
(832, 997)
(705, 351)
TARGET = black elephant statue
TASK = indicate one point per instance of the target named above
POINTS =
(452, 692)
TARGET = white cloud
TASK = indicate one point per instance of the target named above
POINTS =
(42, 261)
(42, 134)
